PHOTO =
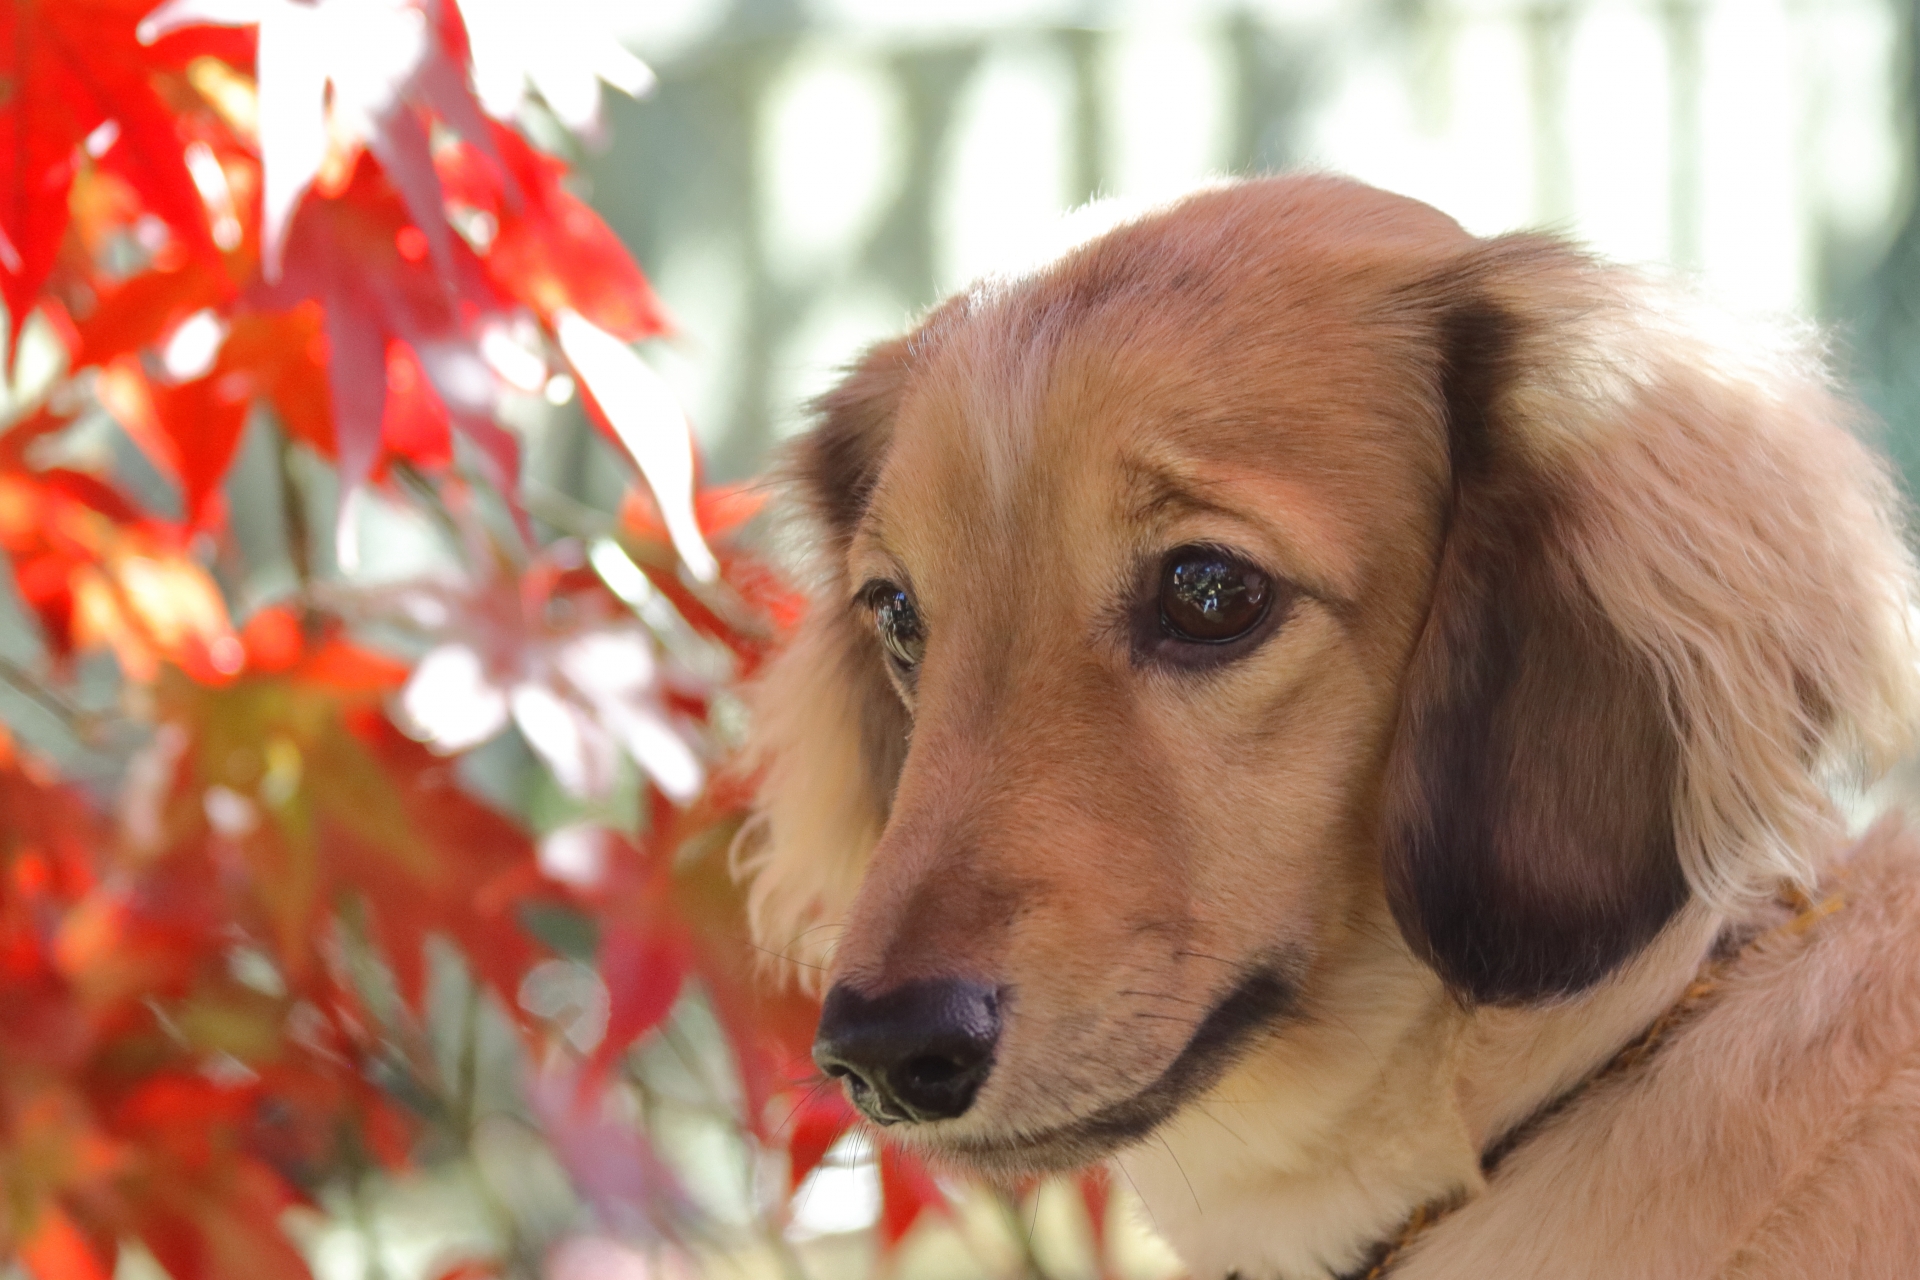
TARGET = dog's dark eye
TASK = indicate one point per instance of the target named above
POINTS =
(1210, 596)
(901, 630)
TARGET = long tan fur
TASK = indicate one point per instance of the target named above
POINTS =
(1589, 599)
(1736, 533)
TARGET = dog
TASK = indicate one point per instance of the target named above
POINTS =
(1342, 719)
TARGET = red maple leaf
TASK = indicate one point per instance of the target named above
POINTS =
(190, 429)
(361, 259)
(816, 1122)
(907, 1190)
(547, 247)
(283, 811)
(643, 968)
(56, 1249)
(319, 73)
(69, 68)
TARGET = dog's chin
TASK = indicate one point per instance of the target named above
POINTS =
(1259, 1001)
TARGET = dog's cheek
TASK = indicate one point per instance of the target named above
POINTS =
(1275, 776)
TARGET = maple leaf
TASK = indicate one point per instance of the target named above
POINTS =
(146, 1091)
(136, 313)
(552, 252)
(358, 257)
(1096, 1197)
(55, 1249)
(560, 50)
(582, 693)
(96, 575)
(206, 1208)
(284, 355)
(415, 424)
(74, 77)
(643, 969)
(634, 404)
(769, 1027)
(137, 938)
(301, 783)
(474, 850)
(816, 1122)
(339, 74)
(545, 246)
(907, 1190)
(615, 1167)
(189, 429)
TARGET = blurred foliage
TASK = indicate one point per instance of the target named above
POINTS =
(362, 913)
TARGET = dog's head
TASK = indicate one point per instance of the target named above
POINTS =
(1266, 573)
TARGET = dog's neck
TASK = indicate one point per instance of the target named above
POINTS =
(1322, 1144)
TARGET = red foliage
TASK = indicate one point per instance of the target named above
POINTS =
(547, 248)
(75, 68)
(191, 1041)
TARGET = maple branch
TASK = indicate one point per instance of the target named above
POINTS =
(565, 512)
(293, 503)
(428, 494)
(76, 720)
(466, 1099)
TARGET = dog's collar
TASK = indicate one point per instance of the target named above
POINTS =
(1636, 1052)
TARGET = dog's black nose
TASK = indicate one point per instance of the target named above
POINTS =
(917, 1052)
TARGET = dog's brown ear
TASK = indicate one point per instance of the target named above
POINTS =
(1530, 797)
(828, 729)
(1671, 593)
(833, 468)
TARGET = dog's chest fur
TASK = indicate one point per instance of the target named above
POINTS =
(1775, 1133)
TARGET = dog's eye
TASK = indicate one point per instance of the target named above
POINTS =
(901, 630)
(1210, 596)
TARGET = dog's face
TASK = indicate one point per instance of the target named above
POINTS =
(1128, 570)
(1194, 604)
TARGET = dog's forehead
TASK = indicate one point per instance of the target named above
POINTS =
(1253, 347)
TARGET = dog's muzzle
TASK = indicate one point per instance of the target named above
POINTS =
(916, 1053)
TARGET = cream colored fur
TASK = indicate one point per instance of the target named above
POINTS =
(1773, 1136)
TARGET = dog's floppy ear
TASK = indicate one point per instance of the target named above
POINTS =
(828, 728)
(1671, 594)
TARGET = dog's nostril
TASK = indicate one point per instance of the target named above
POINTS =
(918, 1052)
(856, 1083)
(931, 1072)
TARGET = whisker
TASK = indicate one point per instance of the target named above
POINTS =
(1137, 1196)
(1201, 1107)
(799, 1106)
(781, 955)
(1168, 1148)
(831, 924)
(794, 941)
(1347, 1027)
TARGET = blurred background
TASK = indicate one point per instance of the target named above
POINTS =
(799, 178)
(807, 176)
